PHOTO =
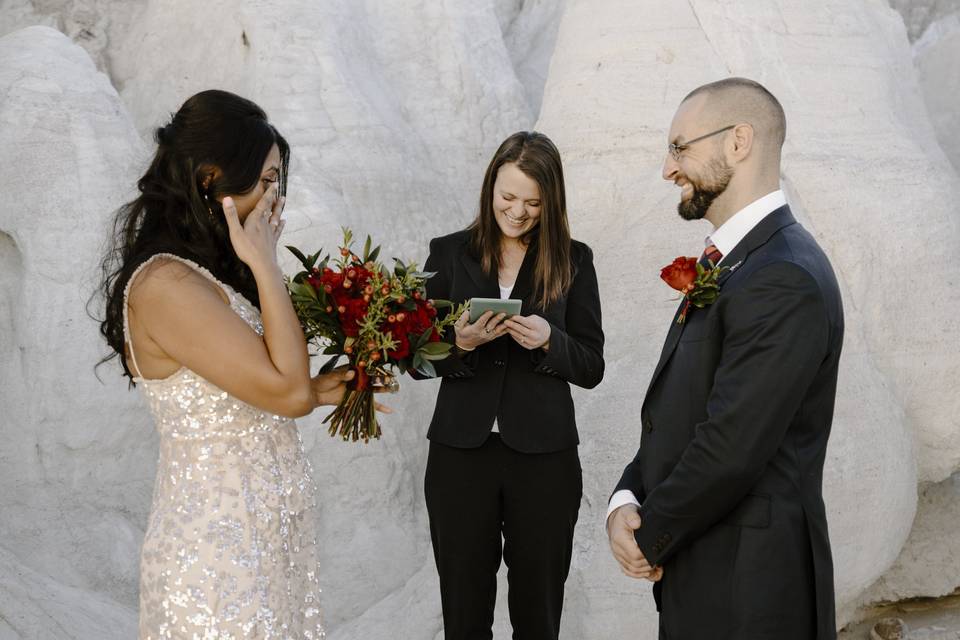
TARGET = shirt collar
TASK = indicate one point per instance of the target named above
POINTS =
(730, 233)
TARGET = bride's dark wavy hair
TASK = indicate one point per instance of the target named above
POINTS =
(214, 131)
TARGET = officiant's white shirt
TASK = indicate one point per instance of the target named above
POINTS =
(725, 239)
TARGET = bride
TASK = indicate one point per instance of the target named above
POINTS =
(197, 310)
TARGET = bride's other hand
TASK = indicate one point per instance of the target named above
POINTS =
(329, 388)
(255, 239)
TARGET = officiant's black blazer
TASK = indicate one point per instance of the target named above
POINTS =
(735, 424)
(528, 392)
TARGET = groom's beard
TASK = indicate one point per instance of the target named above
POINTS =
(718, 175)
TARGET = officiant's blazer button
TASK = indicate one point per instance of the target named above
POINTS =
(647, 425)
(499, 363)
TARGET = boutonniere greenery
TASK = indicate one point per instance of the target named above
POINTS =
(697, 284)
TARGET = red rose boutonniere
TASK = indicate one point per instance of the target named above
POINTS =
(697, 283)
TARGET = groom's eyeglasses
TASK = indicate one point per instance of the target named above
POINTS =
(676, 149)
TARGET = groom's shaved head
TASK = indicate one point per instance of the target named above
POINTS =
(739, 100)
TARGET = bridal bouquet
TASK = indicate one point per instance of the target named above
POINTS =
(379, 318)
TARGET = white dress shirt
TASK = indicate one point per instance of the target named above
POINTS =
(504, 295)
(725, 239)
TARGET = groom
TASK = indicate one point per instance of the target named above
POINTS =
(722, 505)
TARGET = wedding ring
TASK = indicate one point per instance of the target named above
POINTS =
(487, 330)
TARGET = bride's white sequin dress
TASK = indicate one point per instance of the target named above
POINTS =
(230, 550)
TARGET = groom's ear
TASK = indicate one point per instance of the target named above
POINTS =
(741, 142)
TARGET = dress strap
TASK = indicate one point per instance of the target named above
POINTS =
(126, 294)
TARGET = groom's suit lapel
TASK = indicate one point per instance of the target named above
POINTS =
(757, 237)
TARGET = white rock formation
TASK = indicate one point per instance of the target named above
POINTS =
(918, 15)
(96, 25)
(929, 564)
(78, 455)
(936, 55)
(393, 110)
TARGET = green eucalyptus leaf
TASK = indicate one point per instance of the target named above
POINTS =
(427, 369)
(302, 258)
(304, 291)
(436, 348)
(423, 339)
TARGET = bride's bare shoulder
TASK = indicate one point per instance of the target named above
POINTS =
(166, 277)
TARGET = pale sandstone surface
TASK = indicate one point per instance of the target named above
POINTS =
(936, 54)
(393, 110)
(929, 564)
(95, 25)
(918, 15)
(78, 455)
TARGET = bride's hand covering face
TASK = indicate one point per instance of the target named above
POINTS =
(254, 236)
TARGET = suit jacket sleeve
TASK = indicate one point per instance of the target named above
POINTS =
(576, 354)
(438, 288)
(776, 334)
(631, 480)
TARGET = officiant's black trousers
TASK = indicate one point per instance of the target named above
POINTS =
(475, 496)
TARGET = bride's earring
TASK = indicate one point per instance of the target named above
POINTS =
(206, 198)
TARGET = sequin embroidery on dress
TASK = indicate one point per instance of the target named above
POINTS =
(230, 549)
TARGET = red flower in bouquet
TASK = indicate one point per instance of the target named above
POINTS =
(696, 283)
(378, 318)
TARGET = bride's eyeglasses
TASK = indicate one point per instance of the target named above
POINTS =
(676, 149)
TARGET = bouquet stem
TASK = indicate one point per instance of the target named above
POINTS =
(355, 418)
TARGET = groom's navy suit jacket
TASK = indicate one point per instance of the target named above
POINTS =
(730, 467)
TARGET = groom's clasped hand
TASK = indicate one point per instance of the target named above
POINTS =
(621, 526)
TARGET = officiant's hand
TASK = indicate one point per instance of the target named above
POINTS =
(471, 335)
(530, 332)
(620, 529)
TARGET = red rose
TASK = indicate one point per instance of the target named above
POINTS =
(355, 310)
(403, 347)
(680, 273)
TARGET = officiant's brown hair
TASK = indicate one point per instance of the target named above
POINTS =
(537, 157)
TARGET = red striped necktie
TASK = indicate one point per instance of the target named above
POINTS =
(712, 254)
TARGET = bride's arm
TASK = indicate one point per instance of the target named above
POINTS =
(188, 319)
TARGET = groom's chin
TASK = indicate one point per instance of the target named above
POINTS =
(689, 211)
